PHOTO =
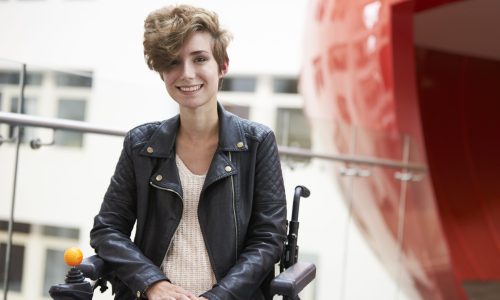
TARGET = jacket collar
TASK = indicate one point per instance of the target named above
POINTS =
(231, 135)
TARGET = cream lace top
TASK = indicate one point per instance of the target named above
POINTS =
(186, 262)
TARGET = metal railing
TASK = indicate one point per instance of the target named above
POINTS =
(84, 127)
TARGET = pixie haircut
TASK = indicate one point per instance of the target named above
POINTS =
(166, 30)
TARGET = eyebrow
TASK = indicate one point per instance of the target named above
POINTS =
(198, 52)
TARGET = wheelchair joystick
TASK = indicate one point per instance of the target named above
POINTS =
(75, 286)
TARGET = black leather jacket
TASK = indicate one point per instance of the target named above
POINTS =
(242, 209)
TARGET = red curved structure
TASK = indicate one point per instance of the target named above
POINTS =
(420, 82)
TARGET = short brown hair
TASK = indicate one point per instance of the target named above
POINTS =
(166, 29)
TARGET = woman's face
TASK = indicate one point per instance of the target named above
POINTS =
(192, 79)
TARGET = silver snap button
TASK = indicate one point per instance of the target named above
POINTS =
(240, 145)
(228, 168)
(150, 150)
(159, 178)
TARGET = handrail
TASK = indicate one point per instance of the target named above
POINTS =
(57, 124)
(352, 159)
(85, 127)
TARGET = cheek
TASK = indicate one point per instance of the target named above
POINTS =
(212, 73)
(169, 83)
(169, 80)
(168, 77)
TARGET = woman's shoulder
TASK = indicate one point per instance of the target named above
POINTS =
(254, 129)
(152, 132)
(143, 132)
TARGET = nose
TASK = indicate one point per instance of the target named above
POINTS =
(188, 70)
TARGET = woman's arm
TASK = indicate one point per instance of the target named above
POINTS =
(110, 236)
(266, 232)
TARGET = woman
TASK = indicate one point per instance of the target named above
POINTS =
(204, 187)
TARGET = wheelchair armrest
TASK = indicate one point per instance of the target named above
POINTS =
(93, 267)
(293, 280)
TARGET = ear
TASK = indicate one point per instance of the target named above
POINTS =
(224, 68)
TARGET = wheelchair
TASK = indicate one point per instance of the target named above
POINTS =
(294, 276)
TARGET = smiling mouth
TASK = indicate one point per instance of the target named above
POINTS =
(191, 88)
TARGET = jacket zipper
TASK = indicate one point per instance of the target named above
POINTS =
(234, 215)
(182, 204)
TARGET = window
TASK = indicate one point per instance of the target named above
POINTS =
(48, 268)
(239, 84)
(16, 266)
(285, 85)
(14, 78)
(239, 110)
(292, 130)
(17, 256)
(29, 108)
(55, 269)
(9, 77)
(65, 232)
(34, 78)
(70, 109)
(73, 80)
(16, 227)
(67, 92)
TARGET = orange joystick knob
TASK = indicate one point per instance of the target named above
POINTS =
(73, 256)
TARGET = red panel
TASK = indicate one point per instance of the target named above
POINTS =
(459, 98)
(358, 70)
(427, 4)
(420, 218)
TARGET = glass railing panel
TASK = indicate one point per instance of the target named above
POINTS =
(371, 197)
(345, 222)
(373, 242)
(322, 224)
(380, 205)
(425, 255)
(379, 143)
(59, 186)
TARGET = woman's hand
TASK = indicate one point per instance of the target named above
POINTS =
(164, 290)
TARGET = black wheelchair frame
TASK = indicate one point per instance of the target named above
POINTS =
(293, 278)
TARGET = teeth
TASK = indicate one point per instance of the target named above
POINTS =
(190, 88)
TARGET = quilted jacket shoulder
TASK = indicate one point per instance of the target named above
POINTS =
(141, 134)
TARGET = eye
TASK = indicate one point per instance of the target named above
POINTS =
(173, 63)
(200, 59)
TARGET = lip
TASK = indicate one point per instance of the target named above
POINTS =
(190, 88)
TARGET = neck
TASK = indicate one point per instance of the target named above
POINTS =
(200, 124)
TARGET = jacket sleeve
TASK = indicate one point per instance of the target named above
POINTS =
(266, 232)
(110, 236)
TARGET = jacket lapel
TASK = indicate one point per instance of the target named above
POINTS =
(162, 142)
(231, 135)
(231, 139)
(167, 176)
(220, 167)
(162, 145)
